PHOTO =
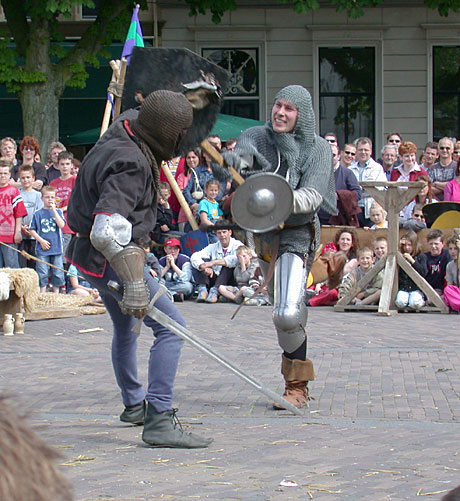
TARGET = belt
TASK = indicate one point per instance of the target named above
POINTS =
(81, 235)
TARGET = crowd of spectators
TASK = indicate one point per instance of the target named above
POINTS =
(438, 167)
(225, 269)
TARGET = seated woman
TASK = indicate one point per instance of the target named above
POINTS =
(80, 287)
(408, 295)
(192, 160)
(452, 188)
(346, 243)
(423, 197)
(194, 191)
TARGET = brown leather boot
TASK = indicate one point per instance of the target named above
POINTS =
(296, 374)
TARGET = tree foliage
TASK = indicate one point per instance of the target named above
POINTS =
(354, 8)
(36, 55)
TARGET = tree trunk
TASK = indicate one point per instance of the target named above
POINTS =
(40, 100)
(40, 113)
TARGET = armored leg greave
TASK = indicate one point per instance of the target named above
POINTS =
(290, 311)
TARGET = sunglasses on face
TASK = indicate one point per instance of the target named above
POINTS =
(419, 216)
(394, 140)
(332, 141)
(447, 148)
(28, 148)
(352, 153)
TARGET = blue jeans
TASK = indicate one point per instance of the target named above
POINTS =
(164, 353)
(9, 257)
(43, 270)
(185, 288)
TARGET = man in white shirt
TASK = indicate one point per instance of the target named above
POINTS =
(215, 264)
(366, 169)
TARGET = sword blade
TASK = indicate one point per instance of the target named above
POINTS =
(205, 348)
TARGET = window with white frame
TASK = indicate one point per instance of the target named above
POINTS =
(347, 92)
(242, 96)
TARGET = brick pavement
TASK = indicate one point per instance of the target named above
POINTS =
(383, 425)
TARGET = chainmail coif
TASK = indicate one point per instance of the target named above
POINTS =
(159, 126)
(308, 155)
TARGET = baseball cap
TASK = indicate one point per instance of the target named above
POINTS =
(172, 242)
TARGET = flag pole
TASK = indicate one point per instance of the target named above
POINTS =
(134, 38)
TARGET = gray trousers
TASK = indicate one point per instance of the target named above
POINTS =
(164, 353)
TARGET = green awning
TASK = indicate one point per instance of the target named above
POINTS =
(226, 126)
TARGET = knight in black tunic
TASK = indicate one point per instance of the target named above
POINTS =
(112, 205)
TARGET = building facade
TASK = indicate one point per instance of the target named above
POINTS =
(396, 68)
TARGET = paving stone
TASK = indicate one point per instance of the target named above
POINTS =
(384, 424)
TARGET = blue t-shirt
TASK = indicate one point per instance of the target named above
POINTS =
(212, 209)
(73, 272)
(44, 223)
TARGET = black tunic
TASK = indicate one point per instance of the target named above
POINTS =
(115, 177)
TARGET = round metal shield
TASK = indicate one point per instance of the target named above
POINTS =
(262, 202)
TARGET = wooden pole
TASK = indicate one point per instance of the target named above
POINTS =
(180, 197)
(208, 148)
(109, 104)
(108, 110)
(121, 82)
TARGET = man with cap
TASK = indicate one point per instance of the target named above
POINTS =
(287, 145)
(176, 270)
(113, 205)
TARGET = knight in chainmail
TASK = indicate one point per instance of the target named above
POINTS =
(288, 146)
(112, 206)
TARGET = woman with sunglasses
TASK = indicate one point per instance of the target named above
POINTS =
(28, 149)
(423, 197)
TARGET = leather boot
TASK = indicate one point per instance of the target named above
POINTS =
(296, 375)
(162, 429)
(134, 414)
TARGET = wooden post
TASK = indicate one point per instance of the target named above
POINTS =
(109, 104)
(180, 197)
(393, 199)
(121, 82)
(208, 148)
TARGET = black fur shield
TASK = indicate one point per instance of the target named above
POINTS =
(167, 69)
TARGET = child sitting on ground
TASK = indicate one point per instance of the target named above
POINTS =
(380, 245)
(151, 265)
(81, 287)
(246, 276)
(437, 259)
(417, 219)
(378, 216)
(371, 294)
(452, 291)
(165, 217)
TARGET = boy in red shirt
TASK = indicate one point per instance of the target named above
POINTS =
(64, 185)
(12, 210)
